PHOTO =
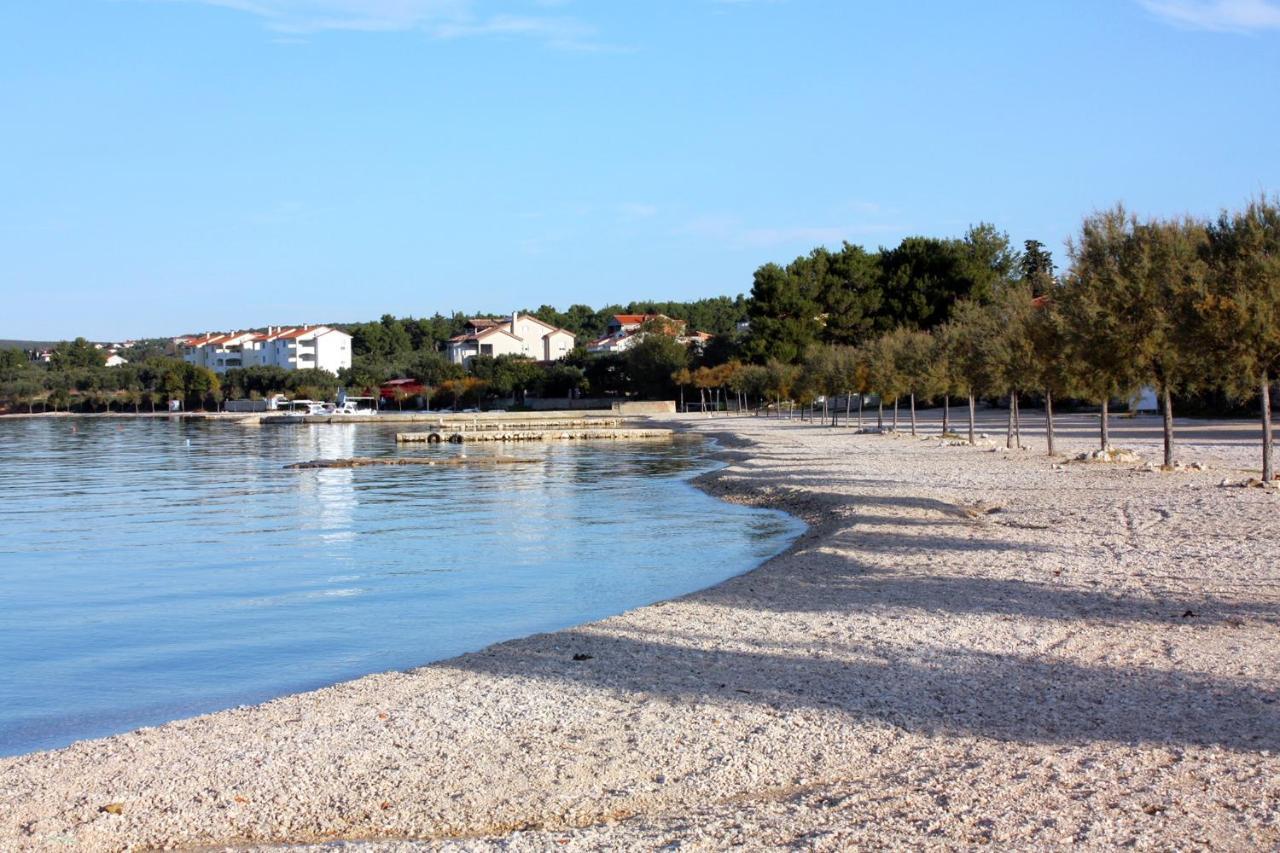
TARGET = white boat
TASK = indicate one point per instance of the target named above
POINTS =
(350, 408)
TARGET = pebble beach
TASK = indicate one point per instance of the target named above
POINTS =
(968, 646)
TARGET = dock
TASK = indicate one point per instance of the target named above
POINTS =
(451, 461)
(513, 435)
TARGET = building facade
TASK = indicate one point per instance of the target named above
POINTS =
(522, 335)
(289, 348)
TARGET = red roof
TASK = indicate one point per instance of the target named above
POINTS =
(293, 333)
(634, 319)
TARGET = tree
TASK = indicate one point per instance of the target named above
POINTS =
(1094, 299)
(854, 366)
(753, 379)
(1010, 350)
(781, 377)
(563, 380)
(967, 337)
(13, 362)
(76, 354)
(1047, 331)
(1037, 267)
(885, 375)
(650, 364)
(704, 379)
(515, 375)
(202, 385)
(784, 311)
(851, 295)
(431, 369)
(682, 378)
(1239, 306)
(1167, 267)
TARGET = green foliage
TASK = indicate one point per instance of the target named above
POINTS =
(784, 311)
(1037, 267)
(848, 296)
(650, 364)
(433, 369)
(1238, 305)
(71, 355)
(563, 380)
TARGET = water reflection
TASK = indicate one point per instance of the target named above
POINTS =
(150, 570)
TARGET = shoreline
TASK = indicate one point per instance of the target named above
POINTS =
(882, 659)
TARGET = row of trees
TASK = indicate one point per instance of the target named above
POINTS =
(1179, 305)
(77, 378)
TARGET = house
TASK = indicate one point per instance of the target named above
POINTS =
(522, 335)
(114, 360)
(626, 330)
(287, 347)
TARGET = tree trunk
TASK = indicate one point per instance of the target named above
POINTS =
(880, 416)
(848, 407)
(1168, 428)
(682, 408)
(859, 410)
(971, 418)
(1048, 418)
(1008, 433)
(895, 414)
(946, 413)
(913, 414)
(1268, 470)
(1106, 432)
(1017, 422)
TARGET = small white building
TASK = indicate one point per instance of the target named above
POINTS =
(287, 347)
(522, 335)
(114, 360)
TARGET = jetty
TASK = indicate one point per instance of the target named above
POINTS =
(363, 461)
(573, 434)
(460, 420)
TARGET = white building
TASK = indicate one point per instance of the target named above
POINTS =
(521, 335)
(290, 348)
(217, 351)
(115, 360)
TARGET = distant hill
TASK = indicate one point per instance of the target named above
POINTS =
(9, 344)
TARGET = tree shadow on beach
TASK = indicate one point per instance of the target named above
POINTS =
(970, 692)
(946, 684)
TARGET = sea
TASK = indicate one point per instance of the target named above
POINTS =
(154, 569)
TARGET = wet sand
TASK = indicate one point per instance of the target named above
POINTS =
(966, 647)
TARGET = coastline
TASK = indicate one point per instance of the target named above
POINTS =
(913, 669)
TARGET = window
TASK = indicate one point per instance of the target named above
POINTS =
(486, 349)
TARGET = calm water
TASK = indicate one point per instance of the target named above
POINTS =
(151, 570)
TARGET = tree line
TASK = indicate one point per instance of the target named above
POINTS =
(1179, 305)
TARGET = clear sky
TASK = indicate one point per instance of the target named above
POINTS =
(181, 165)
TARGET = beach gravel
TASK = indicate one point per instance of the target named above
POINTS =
(964, 648)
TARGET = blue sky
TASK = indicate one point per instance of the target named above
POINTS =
(180, 165)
